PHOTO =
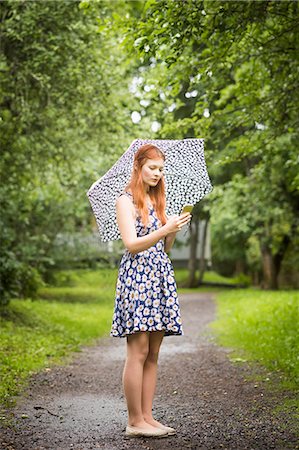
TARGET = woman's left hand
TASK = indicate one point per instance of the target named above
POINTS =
(178, 222)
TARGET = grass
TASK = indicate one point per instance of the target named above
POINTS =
(82, 286)
(263, 326)
(181, 276)
(38, 333)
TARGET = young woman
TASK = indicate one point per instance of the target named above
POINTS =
(146, 301)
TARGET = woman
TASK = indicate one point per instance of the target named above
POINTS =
(146, 303)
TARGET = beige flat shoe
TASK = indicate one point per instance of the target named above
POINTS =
(143, 432)
(170, 431)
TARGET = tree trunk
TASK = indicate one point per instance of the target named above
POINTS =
(272, 263)
(239, 266)
(194, 229)
(202, 261)
(269, 277)
(255, 278)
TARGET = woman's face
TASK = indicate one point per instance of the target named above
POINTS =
(152, 171)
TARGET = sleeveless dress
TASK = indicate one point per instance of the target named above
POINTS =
(146, 296)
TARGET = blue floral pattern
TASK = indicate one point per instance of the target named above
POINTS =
(146, 296)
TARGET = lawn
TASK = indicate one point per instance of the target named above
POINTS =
(38, 333)
(263, 325)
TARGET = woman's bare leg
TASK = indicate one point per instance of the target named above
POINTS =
(150, 376)
(137, 352)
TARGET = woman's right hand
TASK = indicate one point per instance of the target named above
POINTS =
(176, 222)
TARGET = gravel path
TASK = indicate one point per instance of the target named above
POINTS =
(212, 403)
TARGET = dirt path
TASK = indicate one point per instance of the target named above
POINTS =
(212, 403)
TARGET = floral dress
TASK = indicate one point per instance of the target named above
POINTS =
(146, 293)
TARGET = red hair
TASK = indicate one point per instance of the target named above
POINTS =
(156, 193)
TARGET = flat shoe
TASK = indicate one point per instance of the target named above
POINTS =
(169, 430)
(139, 432)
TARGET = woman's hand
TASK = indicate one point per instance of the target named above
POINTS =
(176, 222)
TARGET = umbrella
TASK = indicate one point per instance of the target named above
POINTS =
(186, 181)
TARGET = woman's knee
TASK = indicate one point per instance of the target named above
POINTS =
(138, 346)
(153, 355)
(155, 342)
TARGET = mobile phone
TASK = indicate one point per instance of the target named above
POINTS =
(187, 208)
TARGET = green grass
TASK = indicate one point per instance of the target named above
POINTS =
(36, 334)
(83, 286)
(263, 326)
(181, 276)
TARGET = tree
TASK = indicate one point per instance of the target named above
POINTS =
(226, 71)
(63, 115)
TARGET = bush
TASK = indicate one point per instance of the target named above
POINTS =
(17, 279)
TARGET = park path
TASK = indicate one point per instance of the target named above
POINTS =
(213, 403)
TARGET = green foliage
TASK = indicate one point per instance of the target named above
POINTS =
(61, 127)
(263, 325)
(227, 205)
(72, 73)
(18, 279)
(83, 249)
(227, 71)
(37, 334)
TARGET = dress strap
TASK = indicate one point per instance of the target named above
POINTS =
(127, 194)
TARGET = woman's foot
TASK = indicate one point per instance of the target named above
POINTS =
(142, 424)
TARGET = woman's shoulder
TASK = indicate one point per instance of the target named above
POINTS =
(127, 193)
(125, 202)
(125, 198)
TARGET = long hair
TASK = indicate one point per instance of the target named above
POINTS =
(156, 193)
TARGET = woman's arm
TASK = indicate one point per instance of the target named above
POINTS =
(125, 215)
(169, 239)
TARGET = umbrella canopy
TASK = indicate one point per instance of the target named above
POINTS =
(186, 181)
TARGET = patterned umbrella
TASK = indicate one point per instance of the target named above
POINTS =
(186, 181)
